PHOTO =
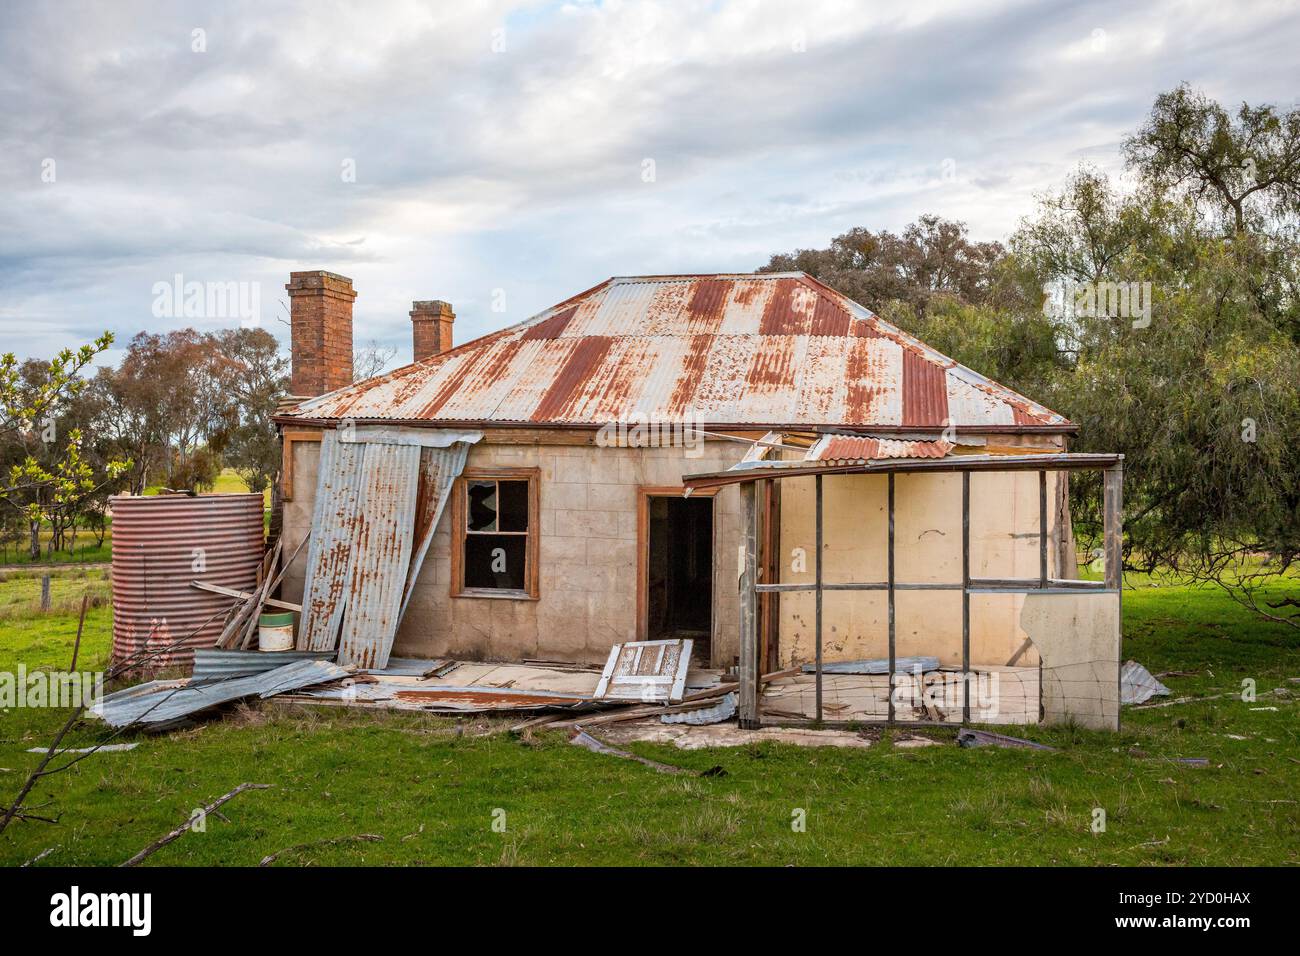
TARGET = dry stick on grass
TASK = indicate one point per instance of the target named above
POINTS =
(14, 810)
(181, 830)
(329, 841)
(40, 856)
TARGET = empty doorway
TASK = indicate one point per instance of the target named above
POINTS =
(677, 563)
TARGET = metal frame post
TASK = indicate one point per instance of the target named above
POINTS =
(818, 568)
(890, 593)
(749, 649)
(965, 597)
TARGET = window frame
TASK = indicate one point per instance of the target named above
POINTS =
(460, 533)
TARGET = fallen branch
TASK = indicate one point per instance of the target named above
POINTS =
(330, 841)
(1193, 700)
(24, 815)
(40, 856)
(128, 663)
(184, 827)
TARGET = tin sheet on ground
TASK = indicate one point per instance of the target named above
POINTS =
(160, 703)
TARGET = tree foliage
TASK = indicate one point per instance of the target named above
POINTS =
(1203, 399)
(48, 475)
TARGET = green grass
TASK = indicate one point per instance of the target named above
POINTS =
(429, 786)
(86, 550)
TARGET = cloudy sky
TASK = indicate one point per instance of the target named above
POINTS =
(504, 156)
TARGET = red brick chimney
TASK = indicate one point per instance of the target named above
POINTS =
(320, 313)
(431, 327)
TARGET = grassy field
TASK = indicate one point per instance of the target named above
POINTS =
(430, 786)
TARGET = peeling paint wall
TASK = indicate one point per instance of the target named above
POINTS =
(927, 549)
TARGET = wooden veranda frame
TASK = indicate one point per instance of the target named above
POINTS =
(750, 478)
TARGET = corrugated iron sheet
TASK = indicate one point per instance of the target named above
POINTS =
(160, 544)
(438, 470)
(381, 553)
(379, 495)
(771, 349)
(164, 702)
(329, 554)
(902, 665)
(1138, 685)
(218, 664)
(724, 709)
(852, 449)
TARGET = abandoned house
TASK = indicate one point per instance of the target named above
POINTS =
(848, 520)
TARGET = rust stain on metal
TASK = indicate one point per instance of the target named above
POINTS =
(550, 328)
(581, 363)
(829, 319)
(772, 369)
(688, 383)
(453, 382)
(163, 542)
(925, 391)
(708, 298)
(849, 449)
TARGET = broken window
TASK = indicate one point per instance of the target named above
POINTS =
(496, 526)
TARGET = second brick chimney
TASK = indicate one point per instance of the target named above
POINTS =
(320, 312)
(431, 321)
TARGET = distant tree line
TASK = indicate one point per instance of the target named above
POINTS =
(179, 408)
(1164, 319)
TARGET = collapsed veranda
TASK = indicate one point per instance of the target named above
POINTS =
(882, 527)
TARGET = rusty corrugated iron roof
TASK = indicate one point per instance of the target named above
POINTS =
(774, 349)
(854, 449)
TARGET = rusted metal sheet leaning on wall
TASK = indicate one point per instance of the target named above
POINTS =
(380, 494)
(381, 553)
(329, 555)
(439, 468)
(648, 671)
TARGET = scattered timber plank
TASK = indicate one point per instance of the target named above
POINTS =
(245, 595)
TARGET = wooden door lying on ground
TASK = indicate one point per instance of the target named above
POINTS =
(649, 671)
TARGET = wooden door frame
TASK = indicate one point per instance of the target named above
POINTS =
(643, 495)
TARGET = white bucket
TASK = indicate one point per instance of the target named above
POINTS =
(275, 632)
